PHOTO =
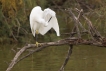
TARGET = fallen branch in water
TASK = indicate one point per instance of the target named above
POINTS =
(97, 40)
(67, 41)
(67, 58)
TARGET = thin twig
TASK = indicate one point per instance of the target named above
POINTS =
(76, 22)
(67, 58)
(18, 27)
(95, 35)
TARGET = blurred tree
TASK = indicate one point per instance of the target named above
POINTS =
(14, 20)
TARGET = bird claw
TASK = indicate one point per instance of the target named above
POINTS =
(37, 44)
(37, 32)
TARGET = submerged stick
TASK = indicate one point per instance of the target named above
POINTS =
(67, 58)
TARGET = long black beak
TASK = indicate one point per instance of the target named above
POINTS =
(50, 19)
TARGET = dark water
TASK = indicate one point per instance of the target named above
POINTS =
(84, 58)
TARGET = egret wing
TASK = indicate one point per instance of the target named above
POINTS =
(32, 25)
(35, 15)
(50, 17)
(55, 25)
(43, 30)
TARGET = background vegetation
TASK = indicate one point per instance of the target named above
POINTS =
(14, 16)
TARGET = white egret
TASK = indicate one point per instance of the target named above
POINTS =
(42, 21)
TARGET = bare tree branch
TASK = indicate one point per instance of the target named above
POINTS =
(67, 58)
(71, 41)
(76, 22)
(67, 41)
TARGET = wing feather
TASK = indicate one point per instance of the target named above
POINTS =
(55, 25)
(52, 23)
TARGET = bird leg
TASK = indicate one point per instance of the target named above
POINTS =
(36, 38)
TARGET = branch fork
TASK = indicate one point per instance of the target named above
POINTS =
(97, 40)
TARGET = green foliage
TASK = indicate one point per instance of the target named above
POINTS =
(14, 20)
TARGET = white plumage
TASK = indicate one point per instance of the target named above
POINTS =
(43, 21)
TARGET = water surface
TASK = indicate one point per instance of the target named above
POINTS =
(83, 58)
